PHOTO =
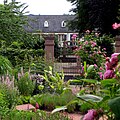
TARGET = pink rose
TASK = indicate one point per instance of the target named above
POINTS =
(116, 25)
(108, 74)
(74, 36)
(90, 115)
(114, 61)
(108, 65)
(115, 54)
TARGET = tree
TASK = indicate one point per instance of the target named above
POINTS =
(15, 43)
(91, 14)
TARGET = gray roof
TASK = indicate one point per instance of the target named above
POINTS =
(36, 23)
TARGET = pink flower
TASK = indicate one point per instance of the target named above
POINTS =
(101, 75)
(90, 115)
(107, 59)
(108, 65)
(37, 106)
(104, 48)
(108, 74)
(116, 25)
(87, 31)
(101, 68)
(95, 65)
(93, 44)
(74, 36)
(114, 61)
(86, 42)
(115, 54)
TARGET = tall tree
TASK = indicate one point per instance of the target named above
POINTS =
(12, 22)
(91, 14)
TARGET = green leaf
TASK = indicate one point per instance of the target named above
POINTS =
(89, 80)
(108, 82)
(59, 109)
(85, 66)
(89, 97)
(115, 106)
(73, 81)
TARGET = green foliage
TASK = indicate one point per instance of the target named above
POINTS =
(5, 66)
(85, 107)
(11, 21)
(23, 99)
(115, 107)
(49, 101)
(3, 104)
(91, 14)
(15, 43)
(38, 115)
(54, 80)
(106, 41)
(8, 98)
(25, 85)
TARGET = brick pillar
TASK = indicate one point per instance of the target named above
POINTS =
(117, 44)
(49, 48)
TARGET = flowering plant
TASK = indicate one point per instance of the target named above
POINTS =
(89, 51)
(112, 66)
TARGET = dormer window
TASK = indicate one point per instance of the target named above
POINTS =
(46, 24)
(63, 24)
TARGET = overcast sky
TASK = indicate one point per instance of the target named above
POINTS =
(47, 7)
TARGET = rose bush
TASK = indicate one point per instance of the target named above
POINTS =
(89, 51)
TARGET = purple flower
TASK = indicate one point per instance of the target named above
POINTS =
(90, 115)
(108, 74)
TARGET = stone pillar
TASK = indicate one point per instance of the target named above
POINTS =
(117, 44)
(49, 48)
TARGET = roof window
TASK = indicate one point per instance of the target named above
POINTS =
(63, 24)
(46, 24)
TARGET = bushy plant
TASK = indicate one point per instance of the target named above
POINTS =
(8, 98)
(106, 41)
(38, 115)
(25, 85)
(51, 101)
(89, 51)
(54, 82)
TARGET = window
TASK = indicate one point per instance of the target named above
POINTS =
(46, 24)
(63, 24)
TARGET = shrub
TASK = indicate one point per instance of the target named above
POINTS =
(38, 115)
(89, 51)
(106, 41)
(26, 85)
(8, 98)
